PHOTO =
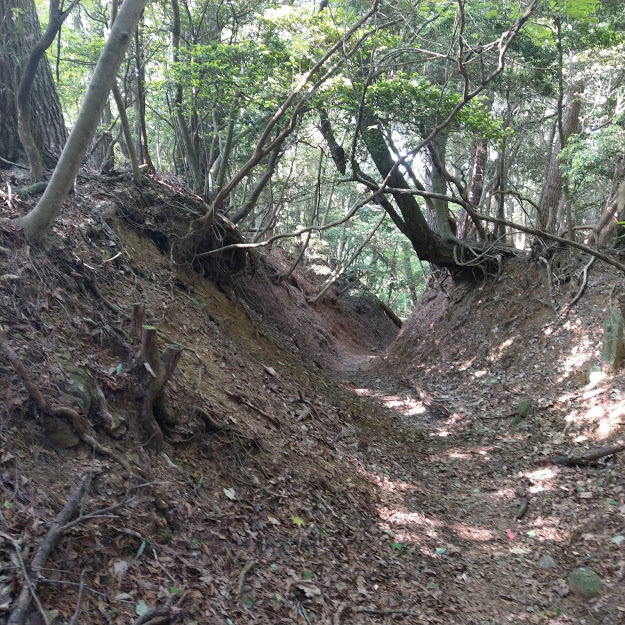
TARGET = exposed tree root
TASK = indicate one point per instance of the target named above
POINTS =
(79, 424)
(552, 237)
(581, 290)
(154, 371)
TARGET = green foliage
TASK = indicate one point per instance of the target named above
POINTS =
(595, 156)
(574, 9)
(414, 102)
(241, 60)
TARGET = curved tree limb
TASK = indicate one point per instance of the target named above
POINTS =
(56, 17)
(515, 226)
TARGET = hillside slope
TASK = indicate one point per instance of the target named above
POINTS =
(305, 476)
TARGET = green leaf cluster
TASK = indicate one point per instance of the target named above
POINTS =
(418, 104)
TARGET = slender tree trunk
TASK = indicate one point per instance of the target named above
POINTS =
(24, 108)
(410, 277)
(500, 229)
(476, 185)
(36, 223)
(611, 220)
(220, 178)
(130, 144)
(143, 134)
(181, 124)
(607, 219)
(262, 182)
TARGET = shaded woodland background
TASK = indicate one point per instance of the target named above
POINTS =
(343, 127)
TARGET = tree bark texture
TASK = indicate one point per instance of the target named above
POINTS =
(479, 158)
(130, 144)
(438, 149)
(552, 188)
(19, 33)
(144, 152)
(56, 18)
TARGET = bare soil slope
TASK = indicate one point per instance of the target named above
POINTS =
(307, 479)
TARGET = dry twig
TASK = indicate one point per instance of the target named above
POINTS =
(389, 612)
(81, 590)
(239, 399)
(246, 569)
(590, 456)
(22, 604)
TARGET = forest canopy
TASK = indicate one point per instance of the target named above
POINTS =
(378, 135)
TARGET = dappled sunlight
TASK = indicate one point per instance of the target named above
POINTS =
(389, 485)
(503, 347)
(467, 454)
(599, 408)
(465, 365)
(579, 356)
(441, 433)
(546, 530)
(404, 404)
(541, 479)
(502, 494)
(473, 532)
(406, 515)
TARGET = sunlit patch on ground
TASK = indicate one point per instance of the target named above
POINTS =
(543, 479)
(499, 351)
(473, 532)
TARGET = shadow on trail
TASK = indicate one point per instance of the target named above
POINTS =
(449, 498)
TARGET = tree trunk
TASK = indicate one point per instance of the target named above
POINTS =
(428, 245)
(479, 159)
(611, 220)
(438, 149)
(186, 141)
(410, 277)
(500, 229)
(24, 104)
(130, 144)
(144, 152)
(36, 223)
(552, 188)
(262, 182)
(19, 33)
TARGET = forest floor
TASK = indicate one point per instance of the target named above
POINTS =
(324, 469)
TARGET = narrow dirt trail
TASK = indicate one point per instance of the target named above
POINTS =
(449, 500)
